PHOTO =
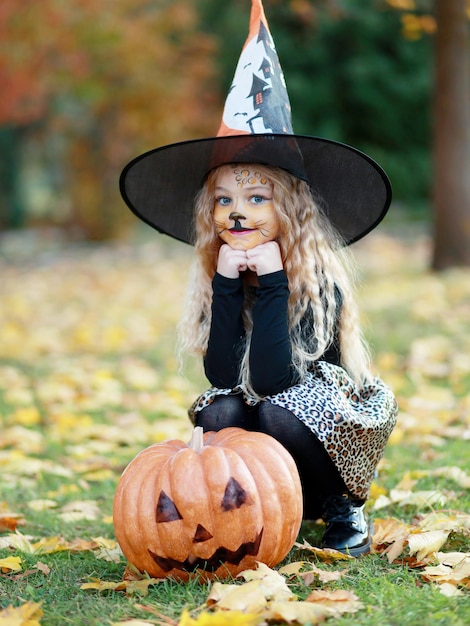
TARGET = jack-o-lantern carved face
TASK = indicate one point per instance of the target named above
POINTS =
(234, 498)
(212, 508)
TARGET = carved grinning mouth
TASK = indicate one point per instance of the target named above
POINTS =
(221, 555)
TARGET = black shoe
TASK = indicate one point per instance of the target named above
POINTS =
(347, 529)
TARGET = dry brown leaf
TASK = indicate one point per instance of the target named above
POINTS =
(422, 499)
(338, 601)
(450, 591)
(249, 597)
(42, 567)
(453, 473)
(324, 554)
(453, 567)
(453, 521)
(10, 521)
(311, 574)
(262, 585)
(389, 537)
(424, 544)
(322, 575)
(272, 583)
(297, 612)
(78, 510)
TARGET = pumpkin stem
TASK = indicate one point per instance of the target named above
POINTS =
(197, 442)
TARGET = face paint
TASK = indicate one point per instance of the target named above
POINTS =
(244, 213)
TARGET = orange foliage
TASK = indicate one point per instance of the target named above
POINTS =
(109, 80)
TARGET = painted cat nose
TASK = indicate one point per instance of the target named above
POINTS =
(236, 216)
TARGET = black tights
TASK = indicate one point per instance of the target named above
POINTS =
(318, 474)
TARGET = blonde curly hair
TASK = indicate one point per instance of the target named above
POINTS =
(315, 261)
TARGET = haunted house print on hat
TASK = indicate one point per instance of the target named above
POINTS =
(257, 101)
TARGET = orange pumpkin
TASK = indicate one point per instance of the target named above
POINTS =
(216, 506)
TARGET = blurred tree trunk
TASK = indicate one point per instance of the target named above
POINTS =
(452, 137)
(11, 205)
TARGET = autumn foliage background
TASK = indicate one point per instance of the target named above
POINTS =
(90, 301)
(88, 85)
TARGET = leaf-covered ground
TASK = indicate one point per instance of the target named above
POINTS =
(89, 377)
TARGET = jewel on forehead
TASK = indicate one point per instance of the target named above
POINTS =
(244, 177)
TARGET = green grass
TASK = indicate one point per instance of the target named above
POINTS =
(392, 594)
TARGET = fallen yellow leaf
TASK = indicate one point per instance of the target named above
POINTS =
(17, 541)
(42, 504)
(291, 569)
(10, 564)
(27, 614)
(48, 545)
(26, 416)
(220, 618)
(129, 586)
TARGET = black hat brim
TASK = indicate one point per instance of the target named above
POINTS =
(160, 186)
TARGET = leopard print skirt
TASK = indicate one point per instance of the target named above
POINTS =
(353, 423)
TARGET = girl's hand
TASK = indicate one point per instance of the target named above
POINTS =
(265, 258)
(231, 262)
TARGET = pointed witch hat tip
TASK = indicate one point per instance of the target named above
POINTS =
(257, 101)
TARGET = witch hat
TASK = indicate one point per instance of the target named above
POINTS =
(160, 186)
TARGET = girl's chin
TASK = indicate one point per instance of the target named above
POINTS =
(244, 241)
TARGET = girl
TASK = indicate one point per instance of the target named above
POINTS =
(271, 310)
(271, 306)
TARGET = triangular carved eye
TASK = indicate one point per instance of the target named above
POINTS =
(201, 534)
(166, 509)
(235, 496)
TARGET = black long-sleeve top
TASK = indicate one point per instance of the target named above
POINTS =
(271, 367)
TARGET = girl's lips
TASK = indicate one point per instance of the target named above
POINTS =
(242, 231)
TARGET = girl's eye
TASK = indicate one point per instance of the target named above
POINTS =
(223, 200)
(259, 199)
